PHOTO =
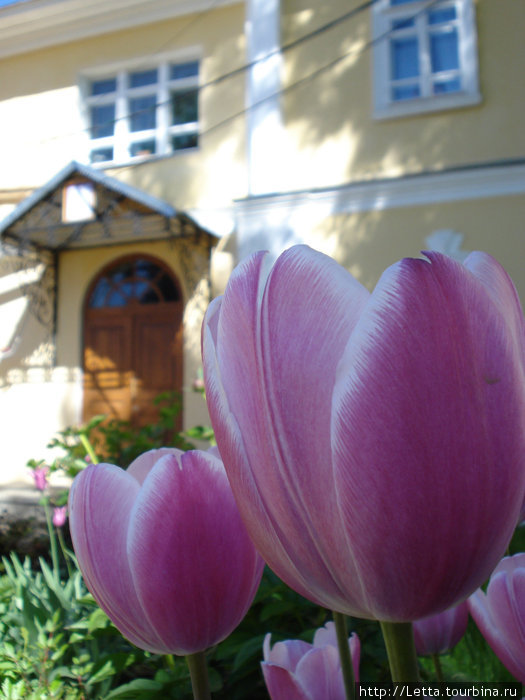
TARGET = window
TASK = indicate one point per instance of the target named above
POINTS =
(147, 111)
(425, 56)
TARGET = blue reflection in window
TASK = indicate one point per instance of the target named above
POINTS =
(446, 14)
(444, 86)
(102, 121)
(405, 92)
(404, 55)
(143, 77)
(444, 51)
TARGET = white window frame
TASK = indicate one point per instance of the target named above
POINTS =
(383, 13)
(123, 138)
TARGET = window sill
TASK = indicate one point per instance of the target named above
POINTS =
(424, 105)
(139, 160)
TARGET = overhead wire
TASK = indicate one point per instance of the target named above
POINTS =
(251, 64)
(229, 74)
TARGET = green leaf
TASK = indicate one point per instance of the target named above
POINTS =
(140, 687)
(249, 649)
(98, 620)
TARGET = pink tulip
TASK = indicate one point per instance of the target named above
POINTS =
(163, 549)
(500, 613)
(439, 633)
(40, 477)
(374, 442)
(296, 670)
(59, 516)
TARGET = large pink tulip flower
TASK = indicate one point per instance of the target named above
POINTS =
(375, 443)
(440, 633)
(296, 670)
(500, 613)
(163, 549)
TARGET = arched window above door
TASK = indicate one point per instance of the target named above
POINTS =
(133, 281)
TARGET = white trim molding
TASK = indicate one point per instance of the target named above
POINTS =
(276, 221)
(264, 120)
(35, 24)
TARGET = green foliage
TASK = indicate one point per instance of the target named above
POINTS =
(117, 441)
(54, 640)
(56, 643)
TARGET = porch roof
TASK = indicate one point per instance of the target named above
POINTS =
(83, 207)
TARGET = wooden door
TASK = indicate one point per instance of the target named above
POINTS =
(132, 340)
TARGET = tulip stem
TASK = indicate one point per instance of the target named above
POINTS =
(401, 651)
(199, 675)
(88, 448)
(344, 654)
(437, 667)
(52, 540)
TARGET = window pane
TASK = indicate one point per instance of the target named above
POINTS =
(444, 86)
(146, 269)
(406, 92)
(142, 148)
(121, 272)
(99, 155)
(403, 23)
(143, 113)
(116, 299)
(98, 296)
(184, 107)
(103, 87)
(447, 14)
(184, 70)
(144, 77)
(182, 141)
(102, 121)
(404, 57)
(444, 51)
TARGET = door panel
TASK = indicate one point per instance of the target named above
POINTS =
(107, 366)
(132, 351)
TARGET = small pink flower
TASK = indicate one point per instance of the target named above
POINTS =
(296, 670)
(40, 477)
(59, 516)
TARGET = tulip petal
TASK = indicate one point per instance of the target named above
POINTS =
(320, 672)
(100, 501)
(282, 685)
(286, 654)
(500, 288)
(429, 393)
(439, 633)
(506, 603)
(495, 637)
(266, 340)
(269, 538)
(144, 463)
(190, 610)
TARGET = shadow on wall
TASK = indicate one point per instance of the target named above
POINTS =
(366, 243)
(329, 112)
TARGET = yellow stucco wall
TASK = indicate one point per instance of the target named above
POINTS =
(333, 135)
(43, 127)
(368, 242)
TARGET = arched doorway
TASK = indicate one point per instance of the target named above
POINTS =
(132, 339)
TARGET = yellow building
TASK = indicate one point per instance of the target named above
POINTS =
(156, 141)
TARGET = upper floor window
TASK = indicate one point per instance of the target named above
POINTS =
(425, 56)
(142, 112)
